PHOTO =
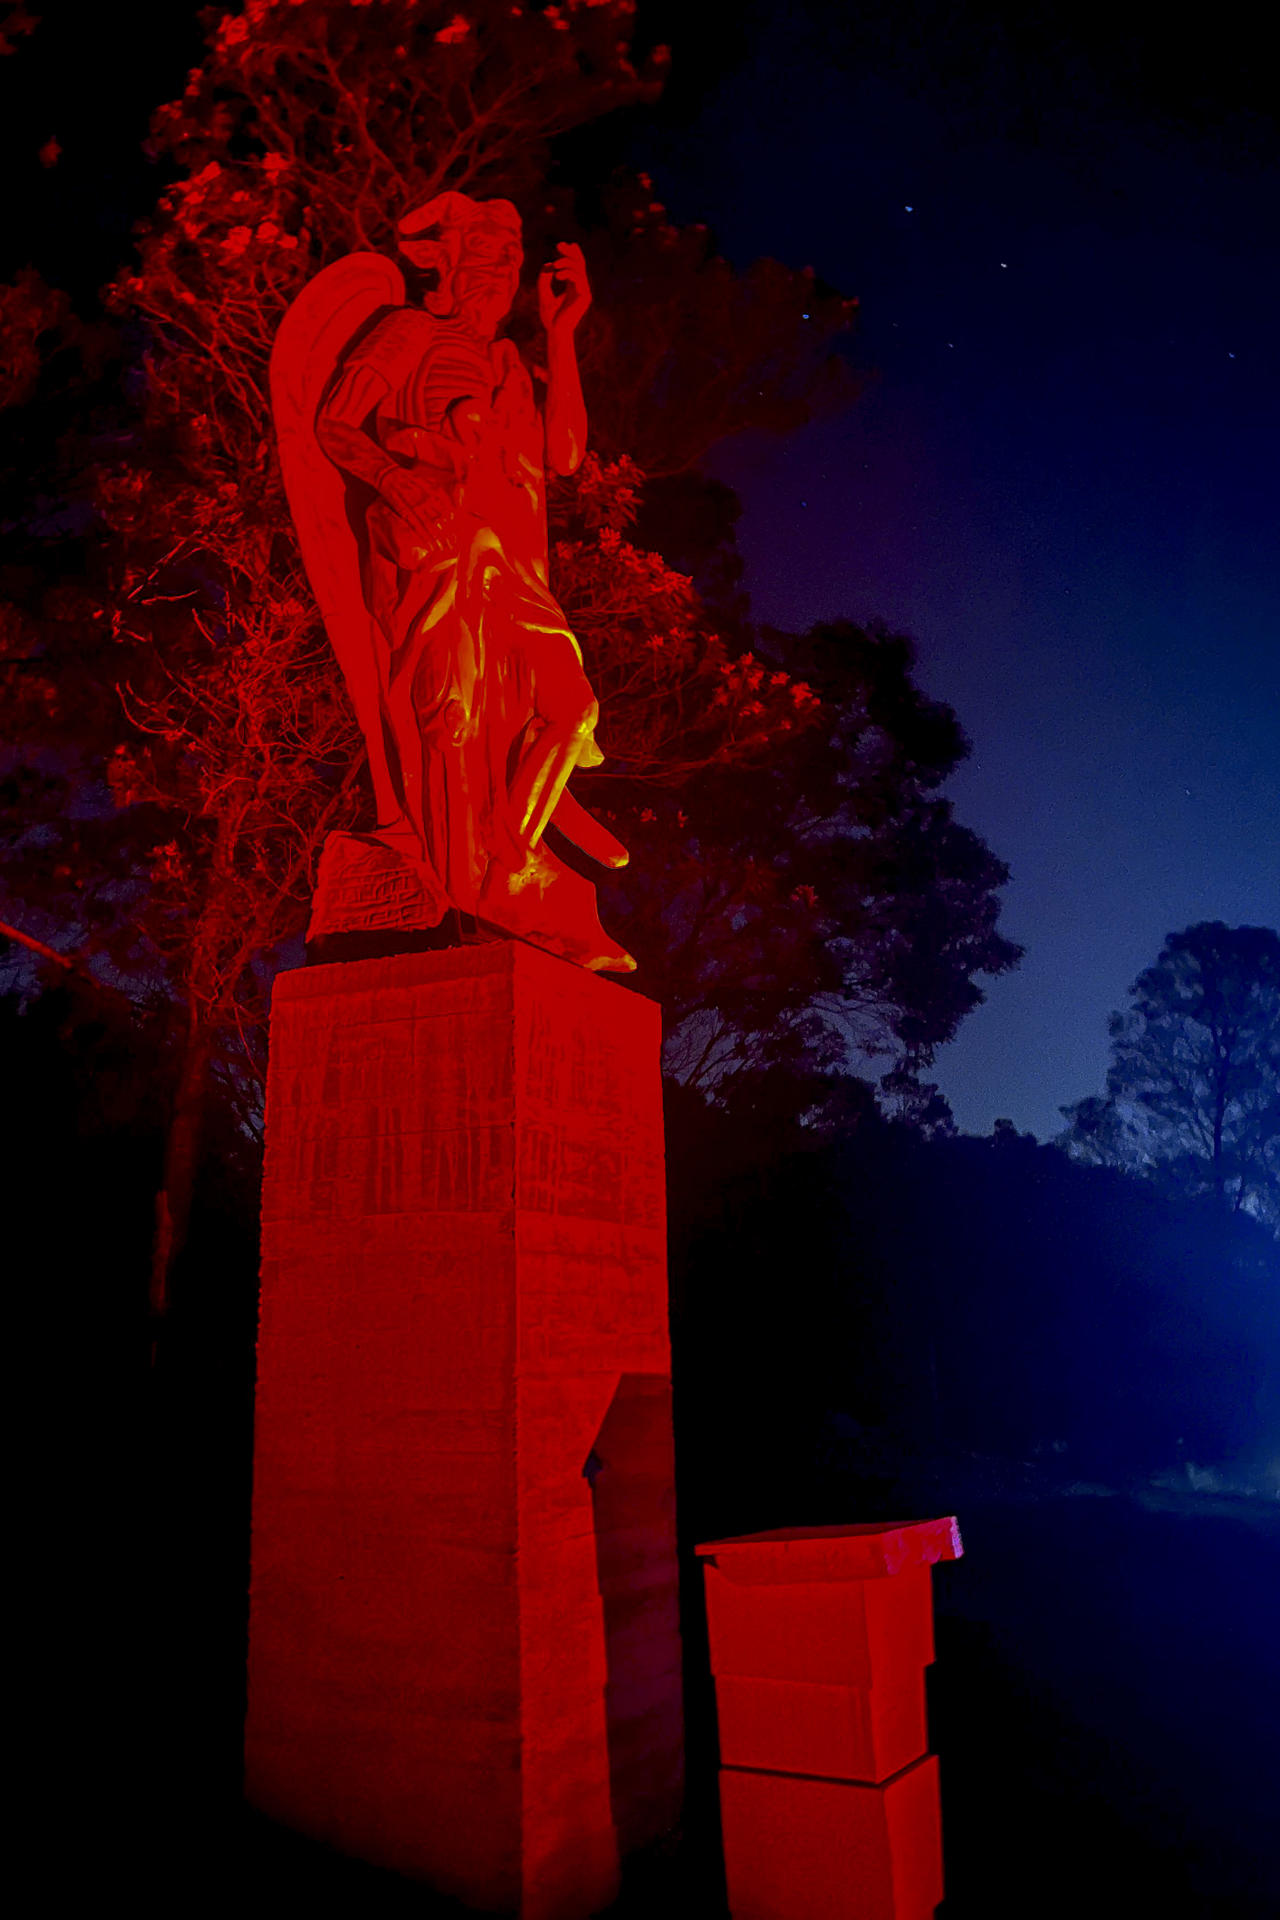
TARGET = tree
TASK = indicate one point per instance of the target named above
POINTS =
(1193, 1090)
(183, 742)
(188, 741)
(821, 909)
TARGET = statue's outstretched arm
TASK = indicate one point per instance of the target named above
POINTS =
(563, 297)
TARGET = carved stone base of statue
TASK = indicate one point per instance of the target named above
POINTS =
(364, 885)
(464, 1656)
(369, 886)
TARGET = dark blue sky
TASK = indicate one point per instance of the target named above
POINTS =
(1062, 481)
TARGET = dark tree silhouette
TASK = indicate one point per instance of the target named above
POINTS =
(821, 910)
(180, 739)
(180, 742)
(1193, 1090)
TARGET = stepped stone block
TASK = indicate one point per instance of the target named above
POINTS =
(798, 1849)
(819, 1642)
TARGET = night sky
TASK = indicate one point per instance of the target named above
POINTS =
(1062, 481)
(1062, 478)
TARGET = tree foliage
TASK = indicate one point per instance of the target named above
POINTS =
(181, 739)
(822, 907)
(1193, 1090)
(304, 133)
(189, 742)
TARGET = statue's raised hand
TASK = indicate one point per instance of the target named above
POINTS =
(564, 293)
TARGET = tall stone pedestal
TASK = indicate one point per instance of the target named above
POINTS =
(464, 1658)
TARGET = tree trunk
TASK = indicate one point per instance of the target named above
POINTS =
(1219, 1124)
(181, 1162)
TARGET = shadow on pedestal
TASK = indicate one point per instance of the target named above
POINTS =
(631, 1470)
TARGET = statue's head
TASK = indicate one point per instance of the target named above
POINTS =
(473, 247)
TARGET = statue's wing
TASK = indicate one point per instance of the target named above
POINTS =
(330, 313)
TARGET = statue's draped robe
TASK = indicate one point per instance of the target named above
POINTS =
(474, 654)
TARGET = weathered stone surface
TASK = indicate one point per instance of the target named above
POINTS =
(819, 1640)
(363, 883)
(798, 1849)
(464, 1645)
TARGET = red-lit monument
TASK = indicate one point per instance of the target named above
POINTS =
(413, 451)
(464, 1646)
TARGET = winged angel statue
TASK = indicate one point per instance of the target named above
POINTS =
(413, 448)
